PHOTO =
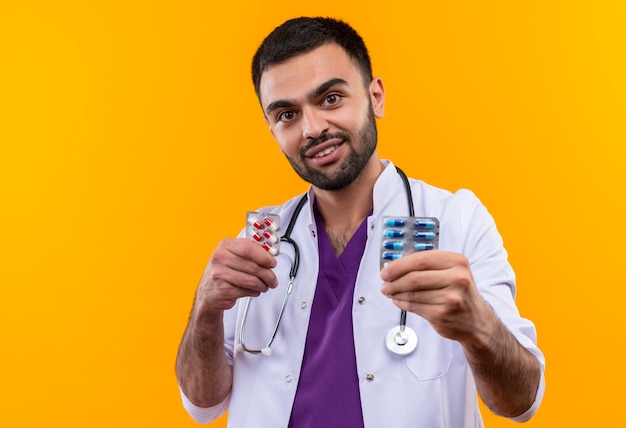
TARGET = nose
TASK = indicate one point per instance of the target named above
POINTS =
(314, 123)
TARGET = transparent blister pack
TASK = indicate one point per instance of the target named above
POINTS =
(264, 229)
(406, 235)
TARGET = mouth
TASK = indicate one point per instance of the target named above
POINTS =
(326, 151)
(319, 149)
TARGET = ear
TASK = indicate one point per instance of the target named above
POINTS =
(377, 96)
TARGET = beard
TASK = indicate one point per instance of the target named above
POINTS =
(351, 168)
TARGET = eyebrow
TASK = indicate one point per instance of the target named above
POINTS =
(317, 92)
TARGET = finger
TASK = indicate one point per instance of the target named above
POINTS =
(222, 295)
(244, 264)
(436, 315)
(446, 318)
(222, 286)
(446, 302)
(416, 281)
(257, 281)
(421, 261)
(248, 250)
(426, 310)
(422, 297)
(416, 261)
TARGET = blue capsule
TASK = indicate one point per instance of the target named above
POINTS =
(393, 245)
(394, 233)
(394, 222)
(424, 223)
(422, 246)
(424, 235)
(389, 255)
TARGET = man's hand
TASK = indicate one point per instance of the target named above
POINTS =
(238, 268)
(439, 287)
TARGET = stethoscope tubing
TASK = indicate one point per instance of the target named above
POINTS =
(400, 340)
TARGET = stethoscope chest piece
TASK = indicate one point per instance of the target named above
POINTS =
(401, 340)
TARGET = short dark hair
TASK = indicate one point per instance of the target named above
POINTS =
(300, 35)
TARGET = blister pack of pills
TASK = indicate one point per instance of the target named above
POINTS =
(263, 228)
(406, 235)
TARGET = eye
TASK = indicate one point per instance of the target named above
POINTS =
(332, 99)
(286, 116)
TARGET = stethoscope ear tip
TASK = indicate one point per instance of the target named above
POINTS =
(266, 351)
(239, 347)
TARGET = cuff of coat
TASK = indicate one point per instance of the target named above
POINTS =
(204, 415)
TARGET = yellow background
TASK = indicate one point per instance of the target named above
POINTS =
(131, 142)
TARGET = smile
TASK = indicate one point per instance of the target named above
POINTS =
(327, 151)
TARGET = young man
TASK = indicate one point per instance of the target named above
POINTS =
(329, 364)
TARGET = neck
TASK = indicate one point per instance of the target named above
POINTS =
(344, 210)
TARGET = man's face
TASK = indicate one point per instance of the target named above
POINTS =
(322, 115)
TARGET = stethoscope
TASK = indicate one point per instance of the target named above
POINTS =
(400, 339)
